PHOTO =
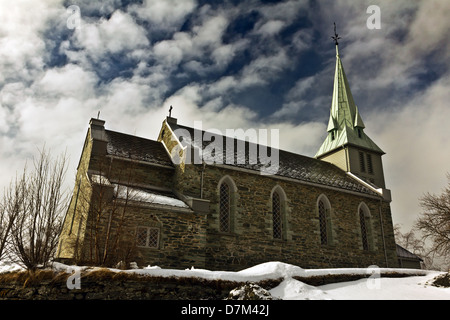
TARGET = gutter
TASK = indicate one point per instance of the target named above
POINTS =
(385, 194)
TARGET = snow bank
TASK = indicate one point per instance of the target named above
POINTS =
(291, 289)
(6, 266)
(373, 288)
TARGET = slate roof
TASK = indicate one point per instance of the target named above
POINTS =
(136, 148)
(292, 165)
(405, 254)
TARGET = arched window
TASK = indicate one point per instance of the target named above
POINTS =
(226, 210)
(276, 216)
(362, 221)
(224, 207)
(323, 223)
(279, 218)
(365, 226)
(324, 209)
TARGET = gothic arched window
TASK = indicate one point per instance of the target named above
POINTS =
(277, 216)
(224, 207)
(362, 222)
(324, 209)
(278, 203)
(323, 223)
(365, 226)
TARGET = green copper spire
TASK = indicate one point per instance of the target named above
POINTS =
(345, 126)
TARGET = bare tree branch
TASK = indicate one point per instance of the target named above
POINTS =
(434, 222)
(37, 201)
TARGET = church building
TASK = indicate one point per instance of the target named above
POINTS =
(158, 202)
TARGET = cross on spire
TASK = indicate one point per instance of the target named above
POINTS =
(336, 36)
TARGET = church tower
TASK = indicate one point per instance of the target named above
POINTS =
(347, 145)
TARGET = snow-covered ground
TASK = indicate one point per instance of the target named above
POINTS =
(375, 287)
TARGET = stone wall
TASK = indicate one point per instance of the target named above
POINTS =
(182, 238)
(251, 242)
(75, 219)
(102, 284)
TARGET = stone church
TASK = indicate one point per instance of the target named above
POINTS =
(148, 201)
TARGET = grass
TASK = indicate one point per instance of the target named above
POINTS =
(442, 281)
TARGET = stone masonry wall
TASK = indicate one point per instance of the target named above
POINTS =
(75, 219)
(182, 238)
(251, 242)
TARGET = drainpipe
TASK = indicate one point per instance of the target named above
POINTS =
(382, 235)
(346, 157)
(201, 180)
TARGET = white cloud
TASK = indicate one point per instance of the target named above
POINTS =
(415, 139)
(286, 11)
(295, 98)
(192, 47)
(22, 49)
(171, 52)
(265, 68)
(271, 27)
(69, 80)
(168, 14)
(4, 114)
(118, 34)
(429, 30)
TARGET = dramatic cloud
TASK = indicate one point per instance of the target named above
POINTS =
(250, 64)
(415, 139)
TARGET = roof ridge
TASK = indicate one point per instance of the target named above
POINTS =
(130, 135)
(250, 142)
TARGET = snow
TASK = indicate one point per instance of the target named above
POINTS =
(372, 288)
(99, 179)
(9, 267)
(291, 289)
(125, 192)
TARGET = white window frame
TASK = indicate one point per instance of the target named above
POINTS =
(147, 238)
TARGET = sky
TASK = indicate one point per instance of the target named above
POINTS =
(230, 64)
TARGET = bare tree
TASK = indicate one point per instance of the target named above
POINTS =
(37, 202)
(110, 241)
(9, 210)
(5, 227)
(110, 233)
(412, 241)
(434, 222)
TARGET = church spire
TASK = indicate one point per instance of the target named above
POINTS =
(345, 125)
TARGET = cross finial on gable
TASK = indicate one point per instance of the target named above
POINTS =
(170, 111)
